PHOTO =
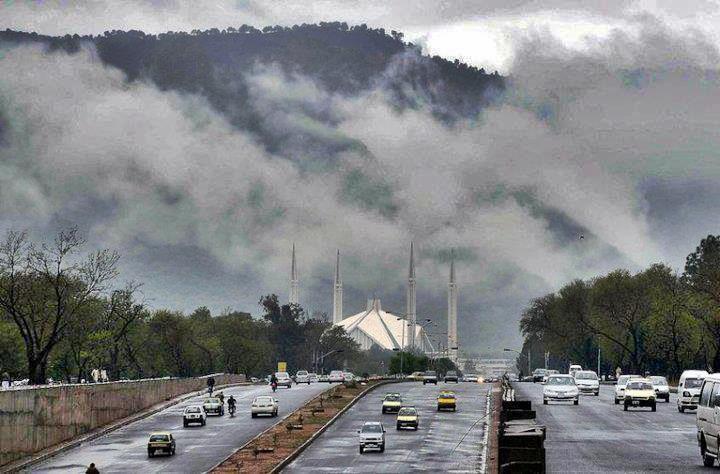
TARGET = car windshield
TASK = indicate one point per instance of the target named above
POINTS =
(447, 395)
(281, 375)
(407, 412)
(560, 381)
(392, 398)
(586, 376)
(623, 379)
(430, 373)
(302, 372)
(212, 400)
(192, 410)
(336, 372)
(693, 383)
(154, 438)
(263, 399)
(539, 371)
(639, 386)
(452, 372)
(374, 428)
(659, 380)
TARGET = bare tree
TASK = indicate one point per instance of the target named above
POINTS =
(44, 287)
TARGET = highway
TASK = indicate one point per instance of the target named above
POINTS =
(598, 436)
(198, 448)
(445, 441)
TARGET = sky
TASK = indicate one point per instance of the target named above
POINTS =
(609, 130)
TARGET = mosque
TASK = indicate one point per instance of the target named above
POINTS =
(388, 330)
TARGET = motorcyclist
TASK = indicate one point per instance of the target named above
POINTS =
(231, 404)
(273, 382)
(221, 396)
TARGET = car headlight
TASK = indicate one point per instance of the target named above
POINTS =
(686, 394)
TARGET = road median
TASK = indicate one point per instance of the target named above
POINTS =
(279, 445)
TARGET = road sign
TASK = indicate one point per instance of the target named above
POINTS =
(282, 367)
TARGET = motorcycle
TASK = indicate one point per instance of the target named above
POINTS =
(274, 386)
(231, 409)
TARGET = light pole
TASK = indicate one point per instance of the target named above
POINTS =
(523, 355)
(322, 358)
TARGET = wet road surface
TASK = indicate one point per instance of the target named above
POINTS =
(445, 441)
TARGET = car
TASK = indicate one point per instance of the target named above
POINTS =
(213, 405)
(662, 389)
(348, 377)
(574, 368)
(302, 376)
(283, 379)
(620, 387)
(513, 377)
(313, 377)
(161, 442)
(470, 378)
(323, 378)
(548, 373)
(430, 377)
(561, 388)
(451, 376)
(194, 414)
(446, 400)
(416, 376)
(639, 393)
(587, 381)
(264, 405)
(689, 389)
(708, 421)
(392, 402)
(538, 375)
(372, 435)
(408, 417)
(336, 376)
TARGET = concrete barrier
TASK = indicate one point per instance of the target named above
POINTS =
(33, 419)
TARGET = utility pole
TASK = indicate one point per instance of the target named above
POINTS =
(598, 372)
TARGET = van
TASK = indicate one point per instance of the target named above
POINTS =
(689, 389)
(708, 419)
(574, 368)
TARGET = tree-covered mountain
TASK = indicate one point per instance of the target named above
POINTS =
(339, 58)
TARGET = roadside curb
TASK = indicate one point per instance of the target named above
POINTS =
(294, 455)
(51, 452)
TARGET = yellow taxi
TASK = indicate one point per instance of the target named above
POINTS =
(161, 442)
(391, 403)
(408, 417)
(446, 401)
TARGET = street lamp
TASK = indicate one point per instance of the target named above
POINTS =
(322, 358)
(523, 355)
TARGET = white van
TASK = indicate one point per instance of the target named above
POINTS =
(574, 368)
(689, 389)
(708, 419)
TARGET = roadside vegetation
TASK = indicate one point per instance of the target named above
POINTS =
(63, 314)
(654, 320)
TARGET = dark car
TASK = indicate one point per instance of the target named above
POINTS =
(451, 376)
(539, 375)
(430, 377)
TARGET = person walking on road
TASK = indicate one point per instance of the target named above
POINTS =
(210, 384)
(92, 469)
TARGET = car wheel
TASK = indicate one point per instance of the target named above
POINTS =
(202, 423)
(151, 453)
(172, 453)
(597, 394)
(361, 450)
(681, 409)
(617, 402)
(185, 424)
(253, 415)
(708, 461)
(397, 427)
(653, 407)
(575, 402)
(544, 402)
(382, 448)
(625, 407)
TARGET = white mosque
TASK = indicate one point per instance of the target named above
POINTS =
(388, 330)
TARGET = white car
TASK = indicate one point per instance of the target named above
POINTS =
(302, 376)
(574, 368)
(620, 387)
(708, 420)
(283, 379)
(470, 378)
(313, 377)
(689, 389)
(194, 414)
(264, 405)
(348, 376)
(372, 435)
(662, 389)
(587, 381)
(561, 388)
(336, 376)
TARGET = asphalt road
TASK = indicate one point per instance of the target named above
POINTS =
(445, 441)
(598, 436)
(198, 448)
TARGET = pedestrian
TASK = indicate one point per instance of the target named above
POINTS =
(6, 381)
(92, 469)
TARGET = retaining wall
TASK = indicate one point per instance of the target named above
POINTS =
(33, 419)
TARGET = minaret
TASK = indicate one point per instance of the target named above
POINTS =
(293, 279)
(410, 316)
(452, 310)
(337, 293)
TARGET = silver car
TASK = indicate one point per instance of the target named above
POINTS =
(372, 435)
(662, 389)
(264, 405)
(559, 388)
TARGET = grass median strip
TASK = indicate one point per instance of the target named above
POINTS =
(271, 448)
